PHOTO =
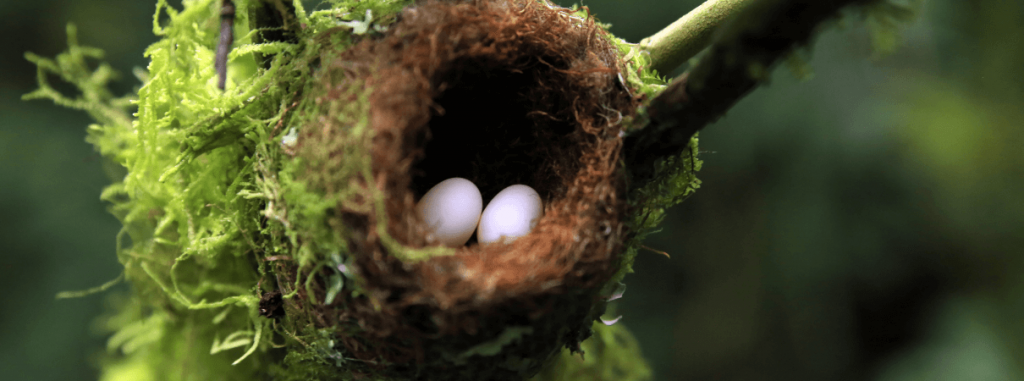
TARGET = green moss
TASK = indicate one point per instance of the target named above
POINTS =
(675, 178)
(612, 354)
(212, 186)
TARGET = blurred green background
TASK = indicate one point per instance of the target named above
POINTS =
(865, 224)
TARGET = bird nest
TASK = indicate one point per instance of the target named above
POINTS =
(497, 92)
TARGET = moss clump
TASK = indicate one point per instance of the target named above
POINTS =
(300, 177)
(612, 355)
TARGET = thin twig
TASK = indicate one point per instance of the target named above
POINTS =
(227, 23)
(656, 251)
(687, 36)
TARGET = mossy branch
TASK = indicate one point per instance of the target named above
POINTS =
(687, 36)
(741, 57)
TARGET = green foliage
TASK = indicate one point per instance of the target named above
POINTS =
(638, 73)
(322, 359)
(71, 66)
(612, 354)
(959, 135)
(675, 178)
(193, 192)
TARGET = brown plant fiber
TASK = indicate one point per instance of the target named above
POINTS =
(500, 93)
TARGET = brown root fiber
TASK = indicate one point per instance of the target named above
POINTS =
(500, 93)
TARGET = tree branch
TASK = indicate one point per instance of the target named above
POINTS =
(687, 36)
(741, 58)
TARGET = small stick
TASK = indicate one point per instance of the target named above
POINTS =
(687, 36)
(227, 22)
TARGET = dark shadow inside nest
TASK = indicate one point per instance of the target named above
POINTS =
(497, 126)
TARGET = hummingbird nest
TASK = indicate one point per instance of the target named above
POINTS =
(274, 223)
(499, 93)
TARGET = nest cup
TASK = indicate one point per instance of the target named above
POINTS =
(500, 93)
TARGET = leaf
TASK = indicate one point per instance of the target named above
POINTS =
(337, 282)
(234, 340)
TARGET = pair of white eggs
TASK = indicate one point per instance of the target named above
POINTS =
(453, 209)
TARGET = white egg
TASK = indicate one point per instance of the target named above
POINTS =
(451, 209)
(512, 213)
